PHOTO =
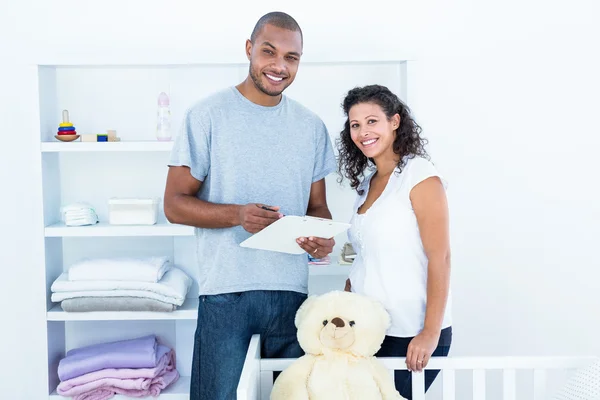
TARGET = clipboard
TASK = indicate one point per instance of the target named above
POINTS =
(281, 235)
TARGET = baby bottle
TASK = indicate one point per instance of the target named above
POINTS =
(163, 125)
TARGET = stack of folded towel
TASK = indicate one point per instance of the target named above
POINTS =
(347, 255)
(319, 261)
(121, 284)
(138, 367)
(78, 214)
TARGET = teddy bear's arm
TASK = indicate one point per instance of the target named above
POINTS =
(292, 383)
(384, 381)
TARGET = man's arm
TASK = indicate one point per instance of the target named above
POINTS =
(317, 202)
(183, 207)
(317, 207)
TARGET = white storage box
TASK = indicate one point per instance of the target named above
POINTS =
(132, 211)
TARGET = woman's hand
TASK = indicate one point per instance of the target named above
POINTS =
(348, 286)
(420, 350)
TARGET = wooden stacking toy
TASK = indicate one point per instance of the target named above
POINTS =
(66, 130)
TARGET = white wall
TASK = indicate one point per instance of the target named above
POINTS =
(507, 95)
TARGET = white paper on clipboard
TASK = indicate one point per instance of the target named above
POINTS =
(281, 235)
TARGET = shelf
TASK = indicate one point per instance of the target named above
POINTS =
(150, 145)
(331, 269)
(188, 310)
(179, 390)
(105, 229)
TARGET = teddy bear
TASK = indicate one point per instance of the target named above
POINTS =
(339, 332)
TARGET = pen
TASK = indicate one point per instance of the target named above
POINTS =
(269, 209)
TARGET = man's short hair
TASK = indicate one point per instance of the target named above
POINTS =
(278, 19)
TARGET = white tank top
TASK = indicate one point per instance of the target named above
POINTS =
(391, 264)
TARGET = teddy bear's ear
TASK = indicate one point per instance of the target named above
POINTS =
(304, 309)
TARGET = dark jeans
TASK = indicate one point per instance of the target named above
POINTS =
(226, 322)
(397, 347)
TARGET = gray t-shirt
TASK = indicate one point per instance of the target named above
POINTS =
(247, 153)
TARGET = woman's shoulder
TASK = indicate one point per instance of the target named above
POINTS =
(418, 168)
(417, 161)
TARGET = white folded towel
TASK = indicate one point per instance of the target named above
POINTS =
(78, 214)
(150, 269)
(172, 288)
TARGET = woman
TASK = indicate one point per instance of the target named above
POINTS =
(399, 228)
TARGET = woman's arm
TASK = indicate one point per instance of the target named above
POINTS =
(430, 205)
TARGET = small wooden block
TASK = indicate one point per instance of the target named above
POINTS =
(88, 137)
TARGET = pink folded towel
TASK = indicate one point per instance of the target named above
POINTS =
(157, 385)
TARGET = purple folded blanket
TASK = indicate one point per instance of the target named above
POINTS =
(132, 353)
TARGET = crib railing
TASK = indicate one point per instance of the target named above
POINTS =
(256, 380)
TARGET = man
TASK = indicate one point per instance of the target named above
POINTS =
(245, 157)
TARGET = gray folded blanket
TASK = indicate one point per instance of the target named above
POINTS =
(84, 304)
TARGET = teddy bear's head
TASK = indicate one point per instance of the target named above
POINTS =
(341, 321)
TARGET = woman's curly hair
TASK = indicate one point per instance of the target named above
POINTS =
(408, 142)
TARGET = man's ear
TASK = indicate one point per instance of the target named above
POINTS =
(248, 49)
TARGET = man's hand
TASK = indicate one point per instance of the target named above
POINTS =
(316, 247)
(253, 218)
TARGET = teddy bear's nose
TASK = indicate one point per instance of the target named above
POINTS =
(338, 322)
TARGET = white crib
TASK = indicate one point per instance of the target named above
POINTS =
(256, 380)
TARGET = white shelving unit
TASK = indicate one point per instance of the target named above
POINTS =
(144, 146)
(59, 229)
(123, 97)
(188, 310)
